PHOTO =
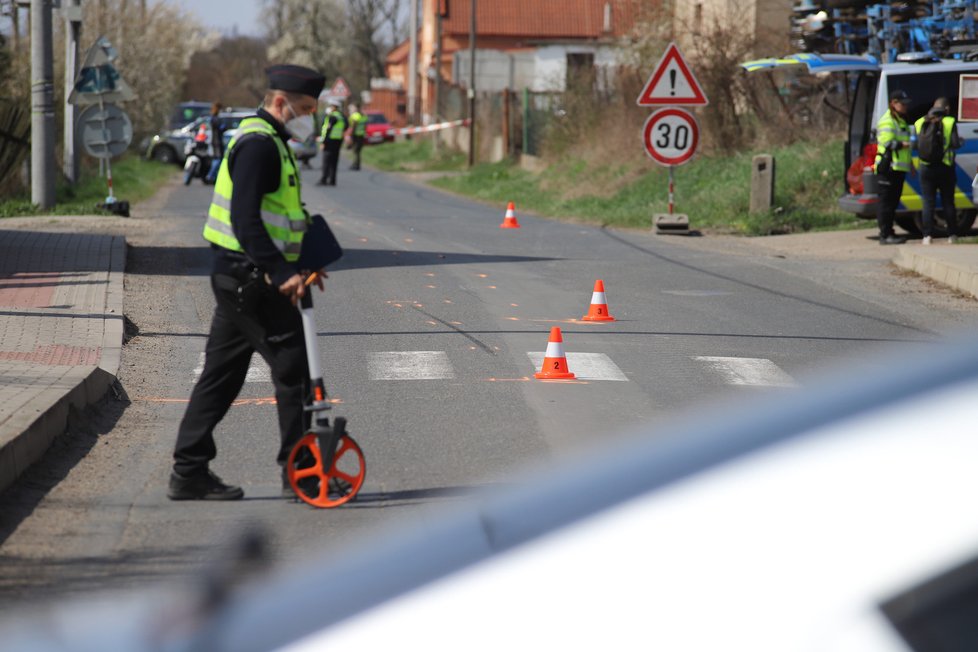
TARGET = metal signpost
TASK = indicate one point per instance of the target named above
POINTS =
(671, 135)
(105, 129)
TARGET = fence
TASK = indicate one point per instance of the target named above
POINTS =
(15, 132)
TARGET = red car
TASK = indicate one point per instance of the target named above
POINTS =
(378, 129)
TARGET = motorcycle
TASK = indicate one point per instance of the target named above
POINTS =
(199, 154)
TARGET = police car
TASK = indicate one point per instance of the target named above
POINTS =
(924, 78)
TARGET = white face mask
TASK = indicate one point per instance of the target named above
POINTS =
(300, 127)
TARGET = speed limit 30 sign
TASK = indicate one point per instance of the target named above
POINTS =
(671, 136)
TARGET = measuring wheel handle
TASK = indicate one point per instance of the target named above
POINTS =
(326, 468)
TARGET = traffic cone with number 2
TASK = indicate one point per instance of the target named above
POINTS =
(554, 360)
(509, 220)
(599, 305)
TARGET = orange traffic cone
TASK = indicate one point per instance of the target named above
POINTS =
(599, 305)
(509, 221)
(554, 361)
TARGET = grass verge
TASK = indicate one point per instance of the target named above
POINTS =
(134, 179)
(713, 190)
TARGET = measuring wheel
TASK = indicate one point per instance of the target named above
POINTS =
(326, 468)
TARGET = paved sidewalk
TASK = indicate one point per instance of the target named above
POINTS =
(61, 324)
(61, 328)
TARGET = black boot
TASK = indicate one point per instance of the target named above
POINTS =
(204, 485)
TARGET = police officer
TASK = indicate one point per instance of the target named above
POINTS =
(940, 176)
(358, 133)
(892, 163)
(255, 226)
(332, 136)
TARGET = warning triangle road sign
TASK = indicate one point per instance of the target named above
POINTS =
(672, 83)
(339, 88)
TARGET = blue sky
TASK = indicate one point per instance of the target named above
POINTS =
(224, 15)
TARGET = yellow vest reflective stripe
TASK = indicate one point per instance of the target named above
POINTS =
(359, 122)
(888, 129)
(336, 133)
(947, 122)
(281, 211)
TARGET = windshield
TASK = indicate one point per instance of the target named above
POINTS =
(376, 119)
(924, 88)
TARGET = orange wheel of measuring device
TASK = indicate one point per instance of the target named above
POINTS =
(326, 488)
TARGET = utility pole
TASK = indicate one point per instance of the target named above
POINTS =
(413, 65)
(42, 105)
(472, 86)
(72, 15)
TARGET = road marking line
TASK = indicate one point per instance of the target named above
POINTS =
(586, 366)
(749, 371)
(258, 372)
(409, 365)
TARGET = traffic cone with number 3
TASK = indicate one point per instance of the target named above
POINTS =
(509, 220)
(554, 360)
(599, 305)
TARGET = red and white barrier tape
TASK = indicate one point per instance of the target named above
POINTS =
(433, 127)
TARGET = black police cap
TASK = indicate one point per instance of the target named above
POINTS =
(295, 79)
(899, 96)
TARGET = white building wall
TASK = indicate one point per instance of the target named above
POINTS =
(541, 70)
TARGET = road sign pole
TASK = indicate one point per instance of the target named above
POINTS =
(106, 138)
(671, 189)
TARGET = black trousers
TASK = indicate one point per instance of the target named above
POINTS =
(263, 321)
(331, 161)
(890, 188)
(357, 146)
(936, 178)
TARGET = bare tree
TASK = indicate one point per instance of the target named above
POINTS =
(307, 32)
(155, 46)
(374, 29)
(233, 73)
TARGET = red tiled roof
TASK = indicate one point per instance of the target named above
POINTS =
(541, 18)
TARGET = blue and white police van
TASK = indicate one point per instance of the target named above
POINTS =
(924, 78)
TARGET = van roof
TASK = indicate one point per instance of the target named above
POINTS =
(903, 68)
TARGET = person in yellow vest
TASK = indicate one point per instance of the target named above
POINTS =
(358, 133)
(255, 226)
(334, 126)
(939, 175)
(893, 161)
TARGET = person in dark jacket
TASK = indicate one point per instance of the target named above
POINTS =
(217, 142)
(255, 225)
(332, 136)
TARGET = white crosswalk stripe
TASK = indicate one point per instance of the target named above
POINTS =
(409, 365)
(586, 366)
(748, 371)
(258, 372)
(435, 365)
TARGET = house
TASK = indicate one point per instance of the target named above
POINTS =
(542, 45)
(765, 22)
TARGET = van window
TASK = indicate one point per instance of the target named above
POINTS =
(925, 87)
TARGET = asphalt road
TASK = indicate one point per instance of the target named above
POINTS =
(429, 327)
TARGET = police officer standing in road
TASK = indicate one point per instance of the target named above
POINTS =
(332, 136)
(255, 226)
(358, 133)
(892, 163)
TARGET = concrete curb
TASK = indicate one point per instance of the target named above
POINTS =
(956, 267)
